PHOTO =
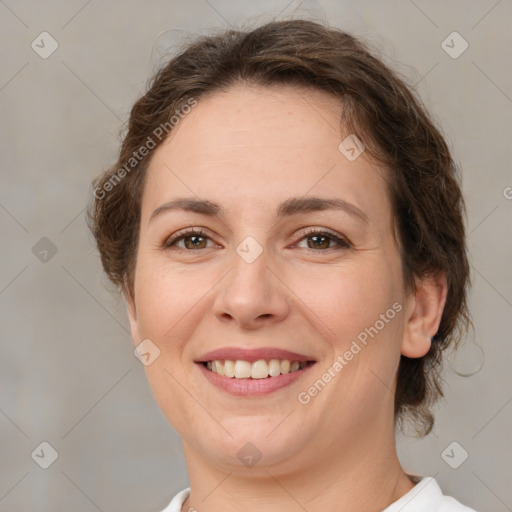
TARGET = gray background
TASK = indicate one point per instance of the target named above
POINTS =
(67, 372)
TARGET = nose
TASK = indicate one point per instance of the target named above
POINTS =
(251, 295)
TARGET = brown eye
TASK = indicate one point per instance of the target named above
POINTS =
(192, 239)
(194, 242)
(322, 240)
(319, 242)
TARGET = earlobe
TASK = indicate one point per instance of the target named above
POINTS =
(424, 311)
(130, 307)
(129, 300)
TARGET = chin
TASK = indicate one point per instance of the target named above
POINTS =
(265, 443)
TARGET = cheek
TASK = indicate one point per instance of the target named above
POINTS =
(169, 299)
(170, 306)
(361, 305)
(347, 299)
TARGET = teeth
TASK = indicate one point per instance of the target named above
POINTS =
(219, 367)
(260, 369)
(229, 368)
(242, 369)
(274, 367)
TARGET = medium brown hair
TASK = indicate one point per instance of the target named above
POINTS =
(378, 107)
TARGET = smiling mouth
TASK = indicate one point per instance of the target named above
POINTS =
(260, 369)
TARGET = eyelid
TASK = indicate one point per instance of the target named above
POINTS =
(341, 242)
(184, 233)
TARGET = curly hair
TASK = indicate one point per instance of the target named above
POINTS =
(378, 107)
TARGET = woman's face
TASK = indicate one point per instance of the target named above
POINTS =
(272, 271)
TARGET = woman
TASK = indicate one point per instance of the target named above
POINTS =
(286, 225)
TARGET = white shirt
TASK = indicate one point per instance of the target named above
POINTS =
(425, 496)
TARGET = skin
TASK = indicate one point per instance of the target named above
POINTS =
(249, 149)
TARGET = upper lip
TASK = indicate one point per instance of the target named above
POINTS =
(251, 354)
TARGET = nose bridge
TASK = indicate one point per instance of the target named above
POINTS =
(250, 292)
(248, 278)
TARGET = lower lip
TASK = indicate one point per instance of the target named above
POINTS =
(252, 387)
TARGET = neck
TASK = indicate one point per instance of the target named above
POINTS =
(364, 475)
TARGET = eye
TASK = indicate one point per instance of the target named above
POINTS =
(316, 239)
(321, 240)
(193, 238)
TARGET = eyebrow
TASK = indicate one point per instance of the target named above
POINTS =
(292, 206)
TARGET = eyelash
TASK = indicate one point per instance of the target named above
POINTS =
(342, 242)
(189, 232)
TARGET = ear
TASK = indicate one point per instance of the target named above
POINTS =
(423, 314)
(129, 300)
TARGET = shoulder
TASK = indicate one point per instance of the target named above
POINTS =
(426, 496)
(177, 502)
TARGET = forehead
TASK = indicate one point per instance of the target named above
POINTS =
(259, 145)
